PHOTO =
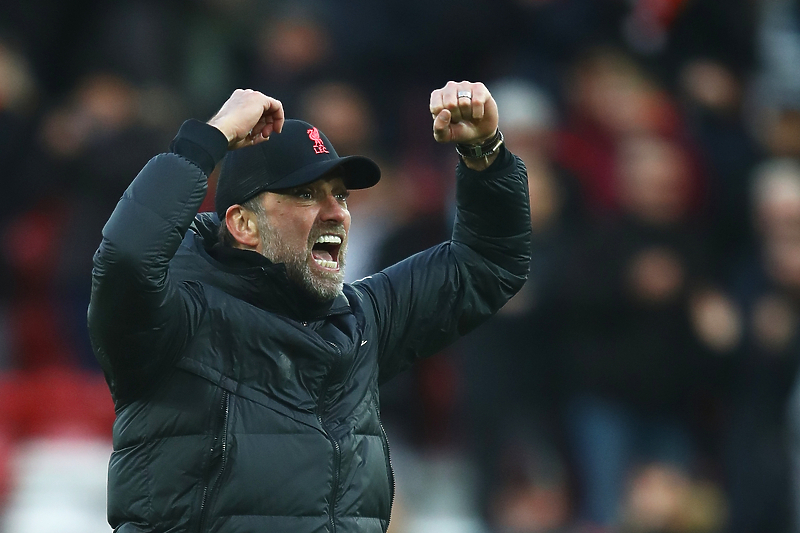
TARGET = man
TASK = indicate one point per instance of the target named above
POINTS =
(245, 373)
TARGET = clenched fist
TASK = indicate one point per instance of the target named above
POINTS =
(248, 117)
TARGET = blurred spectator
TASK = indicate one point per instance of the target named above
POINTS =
(86, 152)
(609, 98)
(19, 98)
(342, 109)
(19, 103)
(541, 36)
(19, 95)
(723, 31)
(662, 499)
(765, 286)
(129, 37)
(289, 51)
(713, 98)
(634, 359)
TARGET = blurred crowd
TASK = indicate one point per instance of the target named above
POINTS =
(643, 381)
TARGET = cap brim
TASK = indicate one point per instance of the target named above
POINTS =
(359, 173)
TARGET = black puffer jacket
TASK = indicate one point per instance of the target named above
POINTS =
(242, 407)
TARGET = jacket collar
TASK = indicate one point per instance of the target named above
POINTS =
(248, 275)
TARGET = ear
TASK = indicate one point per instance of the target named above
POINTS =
(243, 227)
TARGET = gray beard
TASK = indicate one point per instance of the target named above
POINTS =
(321, 286)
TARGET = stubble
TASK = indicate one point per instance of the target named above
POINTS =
(321, 286)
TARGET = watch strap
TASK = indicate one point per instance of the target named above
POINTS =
(479, 151)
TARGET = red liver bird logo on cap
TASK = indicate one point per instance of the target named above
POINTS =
(319, 146)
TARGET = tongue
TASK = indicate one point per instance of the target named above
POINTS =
(322, 254)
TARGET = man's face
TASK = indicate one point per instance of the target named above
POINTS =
(306, 228)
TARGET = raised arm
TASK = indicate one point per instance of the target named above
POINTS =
(139, 318)
(425, 302)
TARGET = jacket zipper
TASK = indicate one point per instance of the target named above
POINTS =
(337, 451)
(225, 410)
(390, 470)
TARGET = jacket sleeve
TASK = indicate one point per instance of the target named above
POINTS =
(139, 318)
(425, 302)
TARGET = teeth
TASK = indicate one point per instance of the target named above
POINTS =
(331, 239)
(327, 264)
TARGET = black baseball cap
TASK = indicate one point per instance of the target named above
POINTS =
(299, 154)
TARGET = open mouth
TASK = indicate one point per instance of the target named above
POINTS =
(326, 251)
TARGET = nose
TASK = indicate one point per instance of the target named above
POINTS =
(333, 209)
